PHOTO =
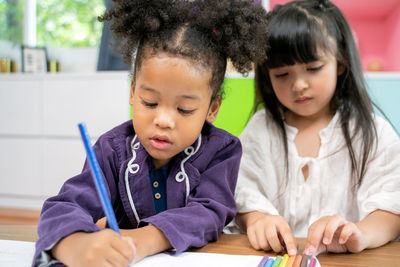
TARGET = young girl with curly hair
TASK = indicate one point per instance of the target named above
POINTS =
(169, 172)
(317, 162)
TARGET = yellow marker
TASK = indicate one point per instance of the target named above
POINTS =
(284, 260)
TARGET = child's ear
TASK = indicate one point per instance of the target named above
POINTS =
(132, 92)
(340, 69)
(213, 110)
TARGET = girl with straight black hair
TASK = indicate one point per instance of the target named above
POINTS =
(317, 162)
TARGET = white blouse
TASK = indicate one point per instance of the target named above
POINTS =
(329, 188)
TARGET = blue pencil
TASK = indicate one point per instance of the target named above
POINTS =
(98, 179)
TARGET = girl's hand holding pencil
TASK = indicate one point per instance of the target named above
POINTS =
(103, 248)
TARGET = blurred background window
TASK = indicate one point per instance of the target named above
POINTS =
(11, 14)
(69, 30)
(69, 23)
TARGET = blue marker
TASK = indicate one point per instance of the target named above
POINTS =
(269, 262)
(98, 179)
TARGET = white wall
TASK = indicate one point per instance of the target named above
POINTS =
(40, 145)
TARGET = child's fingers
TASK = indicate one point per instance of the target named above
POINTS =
(347, 231)
(257, 238)
(332, 226)
(273, 239)
(123, 251)
(252, 236)
(262, 241)
(130, 253)
(114, 258)
(315, 234)
(288, 239)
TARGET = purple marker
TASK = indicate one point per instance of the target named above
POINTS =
(263, 261)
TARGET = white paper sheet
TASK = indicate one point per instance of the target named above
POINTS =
(197, 259)
(16, 253)
(20, 254)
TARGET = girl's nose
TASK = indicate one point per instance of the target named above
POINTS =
(164, 119)
(299, 84)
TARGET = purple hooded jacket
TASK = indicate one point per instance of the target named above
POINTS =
(199, 191)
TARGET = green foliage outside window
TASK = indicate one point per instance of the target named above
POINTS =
(66, 23)
(11, 20)
(69, 23)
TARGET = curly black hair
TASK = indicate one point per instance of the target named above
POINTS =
(206, 31)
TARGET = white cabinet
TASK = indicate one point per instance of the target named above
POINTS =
(40, 145)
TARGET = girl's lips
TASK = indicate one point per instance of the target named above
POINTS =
(302, 100)
(160, 143)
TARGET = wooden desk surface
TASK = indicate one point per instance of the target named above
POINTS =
(18, 232)
(385, 256)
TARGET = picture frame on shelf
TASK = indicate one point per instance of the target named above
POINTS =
(34, 59)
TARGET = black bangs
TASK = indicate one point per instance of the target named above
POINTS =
(290, 45)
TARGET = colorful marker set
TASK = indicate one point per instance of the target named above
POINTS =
(292, 261)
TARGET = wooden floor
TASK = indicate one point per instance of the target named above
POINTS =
(10, 216)
(28, 217)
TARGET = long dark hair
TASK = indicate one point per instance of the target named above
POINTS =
(296, 31)
(206, 31)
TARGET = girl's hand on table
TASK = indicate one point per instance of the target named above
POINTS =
(269, 232)
(334, 234)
